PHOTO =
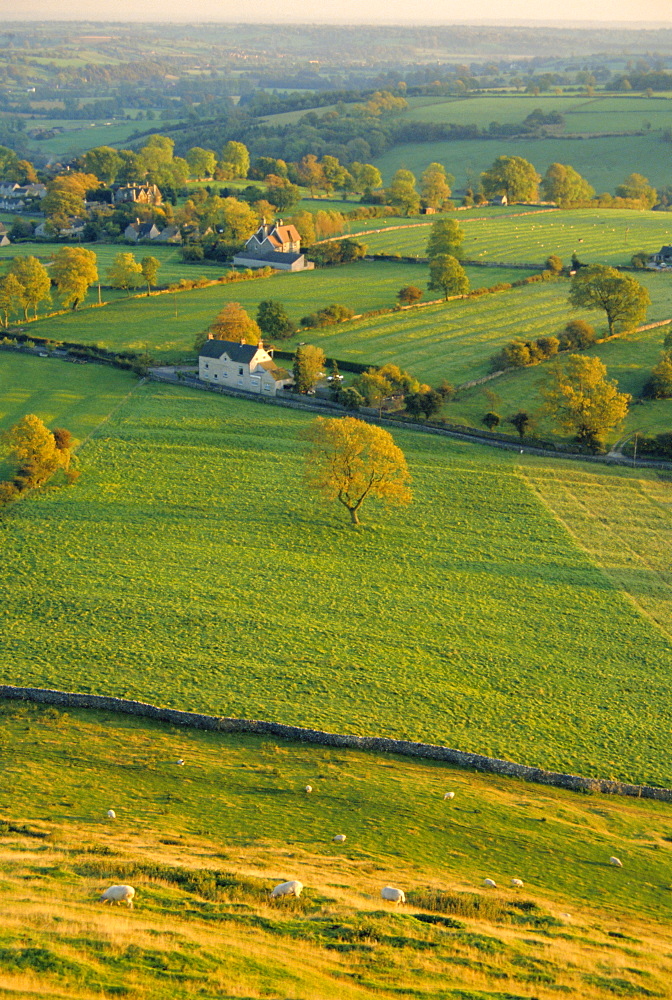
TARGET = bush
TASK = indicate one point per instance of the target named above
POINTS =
(492, 420)
(328, 316)
(350, 398)
(577, 335)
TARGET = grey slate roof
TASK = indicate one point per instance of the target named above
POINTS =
(268, 258)
(242, 354)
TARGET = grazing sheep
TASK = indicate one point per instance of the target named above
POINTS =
(180, 762)
(449, 795)
(293, 888)
(489, 883)
(119, 894)
(111, 814)
(309, 789)
(615, 862)
(517, 883)
(393, 895)
(340, 838)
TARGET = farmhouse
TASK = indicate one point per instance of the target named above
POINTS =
(138, 231)
(277, 246)
(241, 366)
(143, 194)
(664, 256)
(499, 199)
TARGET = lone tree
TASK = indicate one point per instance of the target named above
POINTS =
(125, 272)
(447, 275)
(435, 185)
(350, 461)
(445, 237)
(409, 294)
(621, 296)
(73, 270)
(565, 186)
(521, 421)
(38, 452)
(583, 401)
(12, 297)
(35, 280)
(402, 194)
(150, 268)
(309, 362)
(274, 321)
(512, 176)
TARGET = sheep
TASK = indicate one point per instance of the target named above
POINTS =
(517, 883)
(340, 838)
(449, 795)
(489, 883)
(309, 789)
(111, 814)
(395, 896)
(119, 894)
(180, 762)
(293, 888)
(615, 862)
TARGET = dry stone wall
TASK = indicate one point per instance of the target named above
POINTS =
(376, 744)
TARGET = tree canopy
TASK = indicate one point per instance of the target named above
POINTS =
(402, 193)
(565, 186)
(125, 272)
(231, 323)
(445, 237)
(447, 275)
(74, 271)
(512, 176)
(583, 401)
(621, 296)
(351, 461)
(435, 185)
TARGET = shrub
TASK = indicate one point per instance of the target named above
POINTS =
(577, 335)
(350, 398)
(492, 420)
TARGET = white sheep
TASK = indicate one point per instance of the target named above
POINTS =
(393, 895)
(340, 838)
(489, 883)
(119, 894)
(111, 814)
(309, 789)
(293, 888)
(180, 762)
(615, 862)
(449, 795)
(517, 883)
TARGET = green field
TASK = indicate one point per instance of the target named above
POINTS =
(597, 236)
(167, 324)
(464, 634)
(78, 136)
(457, 340)
(172, 269)
(629, 360)
(604, 161)
(204, 843)
(583, 114)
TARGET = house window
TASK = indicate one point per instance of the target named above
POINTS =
(267, 388)
(240, 381)
(207, 365)
(240, 371)
(215, 376)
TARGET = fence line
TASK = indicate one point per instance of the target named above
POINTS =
(378, 744)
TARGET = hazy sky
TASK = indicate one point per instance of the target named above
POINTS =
(343, 11)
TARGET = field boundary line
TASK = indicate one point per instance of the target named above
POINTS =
(112, 412)
(417, 225)
(379, 744)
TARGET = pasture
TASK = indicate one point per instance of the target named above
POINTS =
(603, 113)
(597, 236)
(482, 623)
(629, 360)
(456, 340)
(167, 324)
(203, 844)
(605, 161)
(172, 268)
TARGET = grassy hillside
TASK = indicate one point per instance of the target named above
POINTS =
(190, 567)
(167, 324)
(605, 161)
(202, 844)
(597, 236)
